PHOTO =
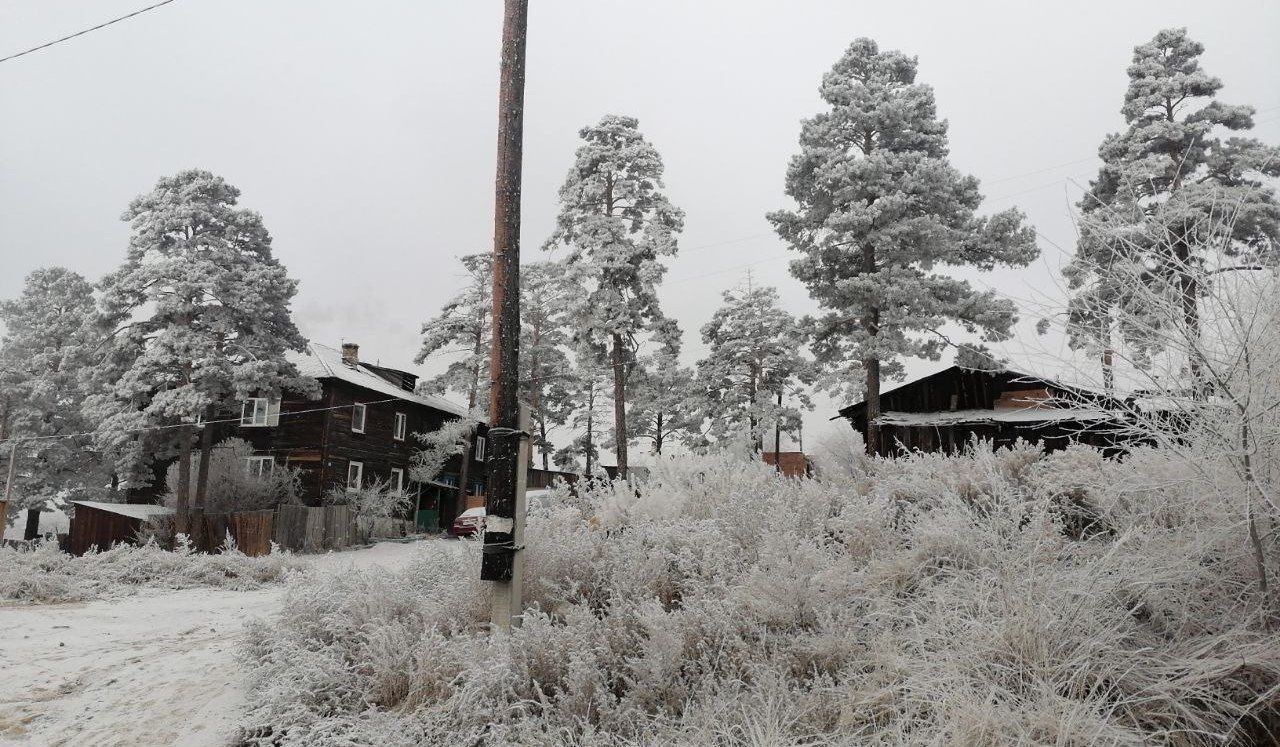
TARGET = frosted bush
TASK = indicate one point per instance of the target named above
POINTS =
(923, 600)
(47, 574)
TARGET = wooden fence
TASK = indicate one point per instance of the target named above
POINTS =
(296, 528)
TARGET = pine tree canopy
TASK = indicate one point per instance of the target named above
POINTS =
(879, 207)
(1171, 186)
(616, 224)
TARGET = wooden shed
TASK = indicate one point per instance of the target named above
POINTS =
(944, 411)
(106, 524)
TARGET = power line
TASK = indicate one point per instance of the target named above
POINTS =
(82, 33)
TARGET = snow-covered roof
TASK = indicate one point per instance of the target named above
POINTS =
(1020, 415)
(324, 362)
(141, 511)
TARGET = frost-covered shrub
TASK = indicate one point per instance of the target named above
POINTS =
(47, 574)
(232, 487)
(374, 501)
(925, 600)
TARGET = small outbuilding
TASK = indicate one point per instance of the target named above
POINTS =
(942, 412)
(94, 523)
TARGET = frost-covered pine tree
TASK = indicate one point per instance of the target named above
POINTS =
(879, 209)
(47, 345)
(666, 404)
(616, 224)
(1168, 187)
(589, 389)
(197, 319)
(545, 305)
(753, 365)
(464, 325)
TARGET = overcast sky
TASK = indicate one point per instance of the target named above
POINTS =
(364, 132)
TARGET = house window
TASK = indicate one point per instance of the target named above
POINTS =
(397, 480)
(259, 412)
(355, 475)
(357, 418)
(402, 424)
(480, 449)
(259, 466)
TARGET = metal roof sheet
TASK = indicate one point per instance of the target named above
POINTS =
(322, 361)
(141, 511)
(1021, 415)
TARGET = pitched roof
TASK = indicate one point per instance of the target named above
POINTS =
(1022, 415)
(324, 362)
(1011, 375)
(141, 511)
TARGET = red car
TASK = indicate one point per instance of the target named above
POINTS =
(469, 522)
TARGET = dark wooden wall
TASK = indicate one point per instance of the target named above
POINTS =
(973, 390)
(953, 439)
(322, 445)
(92, 526)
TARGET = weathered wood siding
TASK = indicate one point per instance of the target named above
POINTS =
(965, 389)
(317, 438)
(252, 531)
(91, 527)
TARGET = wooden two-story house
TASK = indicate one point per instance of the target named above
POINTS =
(361, 430)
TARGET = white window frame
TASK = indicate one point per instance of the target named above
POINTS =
(259, 466)
(480, 449)
(360, 412)
(397, 480)
(260, 412)
(358, 469)
(401, 427)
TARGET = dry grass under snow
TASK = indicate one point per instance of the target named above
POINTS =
(988, 599)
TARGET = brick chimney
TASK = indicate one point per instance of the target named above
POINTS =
(350, 354)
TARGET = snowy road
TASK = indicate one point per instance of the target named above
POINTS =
(157, 668)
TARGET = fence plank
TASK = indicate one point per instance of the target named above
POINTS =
(291, 527)
(313, 532)
(337, 527)
(215, 532)
(252, 531)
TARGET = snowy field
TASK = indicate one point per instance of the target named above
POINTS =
(155, 668)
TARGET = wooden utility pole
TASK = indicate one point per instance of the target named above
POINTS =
(501, 548)
(507, 603)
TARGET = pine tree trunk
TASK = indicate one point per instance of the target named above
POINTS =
(777, 437)
(32, 529)
(1188, 290)
(872, 365)
(206, 455)
(542, 436)
(873, 405)
(591, 409)
(657, 435)
(183, 491)
(535, 402)
(757, 438)
(619, 407)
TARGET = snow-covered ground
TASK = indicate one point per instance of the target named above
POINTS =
(156, 668)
